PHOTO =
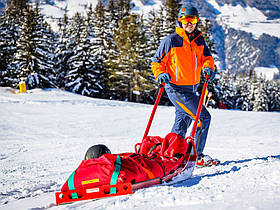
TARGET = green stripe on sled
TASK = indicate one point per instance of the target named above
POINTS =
(71, 185)
(115, 174)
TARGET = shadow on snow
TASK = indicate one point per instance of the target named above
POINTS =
(196, 179)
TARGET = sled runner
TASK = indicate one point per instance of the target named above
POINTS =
(155, 161)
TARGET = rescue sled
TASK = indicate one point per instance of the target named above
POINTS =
(155, 161)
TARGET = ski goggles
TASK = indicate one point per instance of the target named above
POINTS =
(189, 19)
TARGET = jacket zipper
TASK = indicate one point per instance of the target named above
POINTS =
(194, 78)
(195, 66)
(175, 60)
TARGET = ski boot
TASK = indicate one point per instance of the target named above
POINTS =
(206, 161)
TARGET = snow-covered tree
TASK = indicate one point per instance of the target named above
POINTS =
(81, 78)
(98, 36)
(124, 8)
(15, 8)
(86, 68)
(171, 10)
(154, 35)
(7, 50)
(63, 52)
(145, 82)
(273, 94)
(226, 91)
(33, 61)
(260, 102)
(10, 21)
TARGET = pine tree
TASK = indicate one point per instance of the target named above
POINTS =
(99, 41)
(15, 9)
(82, 77)
(62, 52)
(45, 41)
(273, 93)
(145, 82)
(260, 98)
(9, 37)
(111, 14)
(33, 59)
(154, 27)
(73, 34)
(248, 93)
(124, 9)
(7, 50)
(171, 9)
(227, 92)
(121, 77)
(117, 11)
(205, 27)
(276, 98)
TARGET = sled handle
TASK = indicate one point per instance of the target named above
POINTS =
(154, 111)
(199, 107)
(137, 147)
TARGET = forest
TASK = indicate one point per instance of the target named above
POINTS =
(107, 54)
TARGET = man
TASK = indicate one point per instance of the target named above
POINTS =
(178, 62)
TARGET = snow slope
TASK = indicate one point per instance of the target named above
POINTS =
(241, 18)
(267, 72)
(58, 8)
(45, 133)
(248, 19)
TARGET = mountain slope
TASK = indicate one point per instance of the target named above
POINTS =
(45, 133)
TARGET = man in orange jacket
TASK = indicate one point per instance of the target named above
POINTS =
(178, 62)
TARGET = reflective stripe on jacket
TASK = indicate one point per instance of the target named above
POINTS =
(181, 58)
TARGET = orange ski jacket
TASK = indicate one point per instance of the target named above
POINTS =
(181, 58)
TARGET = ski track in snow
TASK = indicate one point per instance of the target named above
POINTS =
(45, 133)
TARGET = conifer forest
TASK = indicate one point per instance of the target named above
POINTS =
(107, 54)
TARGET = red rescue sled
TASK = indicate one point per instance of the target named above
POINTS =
(155, 161)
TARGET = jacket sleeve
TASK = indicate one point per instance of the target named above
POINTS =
(161, 57)
(207, 59)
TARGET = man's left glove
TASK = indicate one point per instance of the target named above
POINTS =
(210, 72)
(163, 77)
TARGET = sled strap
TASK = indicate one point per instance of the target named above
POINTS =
(115, 174)
(71, 185)
(147, 171)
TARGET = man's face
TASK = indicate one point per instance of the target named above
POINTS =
(189, 28)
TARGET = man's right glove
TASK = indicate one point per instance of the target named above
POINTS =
(210, 72)
(163, 77)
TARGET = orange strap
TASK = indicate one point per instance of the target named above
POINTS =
(148, 172)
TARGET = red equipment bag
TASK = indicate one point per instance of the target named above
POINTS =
(157, 158)
(92, 172)
(171, 145)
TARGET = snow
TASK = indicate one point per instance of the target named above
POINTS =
(267, 72)
(150, 5)
(51, 11)
(246, 19)
(45, 134)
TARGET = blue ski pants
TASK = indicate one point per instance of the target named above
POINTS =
(186, 103)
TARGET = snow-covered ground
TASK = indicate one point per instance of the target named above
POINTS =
(45, 133)
(267, 72)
